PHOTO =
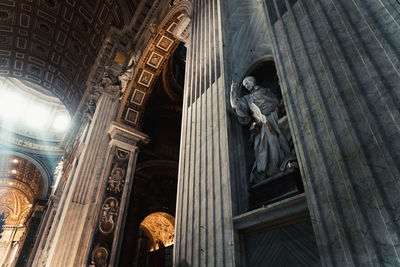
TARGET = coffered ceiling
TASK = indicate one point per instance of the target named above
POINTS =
(54, 43)
(22, 175)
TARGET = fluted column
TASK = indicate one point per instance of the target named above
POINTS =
(53, 216)
(204, 228)
(74, 225)
(338, 64)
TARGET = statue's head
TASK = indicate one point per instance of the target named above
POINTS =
(249, 82)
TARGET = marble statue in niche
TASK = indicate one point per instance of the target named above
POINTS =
(269, 133)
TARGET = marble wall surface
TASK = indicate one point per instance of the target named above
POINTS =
(204, 228)
(290, 245)
(338, 67)
(338, 63)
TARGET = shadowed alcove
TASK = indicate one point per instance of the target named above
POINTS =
(153, 200)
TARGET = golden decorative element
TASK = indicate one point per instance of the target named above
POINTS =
(155, 59)
(15, 205)
(23, 175)
(159, 228)
(149, 66)
(20, 183)
(120, 58)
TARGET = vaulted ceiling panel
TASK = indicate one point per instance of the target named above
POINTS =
(54, 43)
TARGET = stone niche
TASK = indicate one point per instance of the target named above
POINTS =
(287, 182)
(276, 230)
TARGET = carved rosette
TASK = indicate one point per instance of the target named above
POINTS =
(109, 214)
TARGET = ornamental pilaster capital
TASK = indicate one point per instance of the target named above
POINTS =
(126, 137)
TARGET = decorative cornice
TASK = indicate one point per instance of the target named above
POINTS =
(126, 137)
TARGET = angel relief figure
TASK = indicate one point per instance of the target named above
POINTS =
(109, 215)
(259, 108)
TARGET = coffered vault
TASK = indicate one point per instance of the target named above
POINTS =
(54, 43)
(21, 182)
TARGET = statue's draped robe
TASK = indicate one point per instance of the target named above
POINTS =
(270, 145)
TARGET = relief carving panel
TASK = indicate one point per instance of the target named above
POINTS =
(110, 209)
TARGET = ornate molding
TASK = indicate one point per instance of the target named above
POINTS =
(156, 53)
(110, 209)
(55, 43)
(126, 137)
(124, 145)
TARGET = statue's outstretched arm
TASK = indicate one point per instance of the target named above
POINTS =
(239, 105)
(234, 99)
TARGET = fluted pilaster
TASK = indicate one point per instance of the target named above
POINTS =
(204, 230)
(75, 224)
(338, 64)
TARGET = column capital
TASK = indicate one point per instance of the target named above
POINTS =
(126, 137)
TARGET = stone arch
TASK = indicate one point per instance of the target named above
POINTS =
(265, 63)
(256, 63)
(184, 6)
(158, 166)
(16, 203)
(46, 176)
(149, 67)
(21, 184)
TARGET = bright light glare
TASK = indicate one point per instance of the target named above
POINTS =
(18, 110)
(61, 122)
(36, 116)
(11, 105)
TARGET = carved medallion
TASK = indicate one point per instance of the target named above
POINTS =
(109, 214)
(99, 256)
